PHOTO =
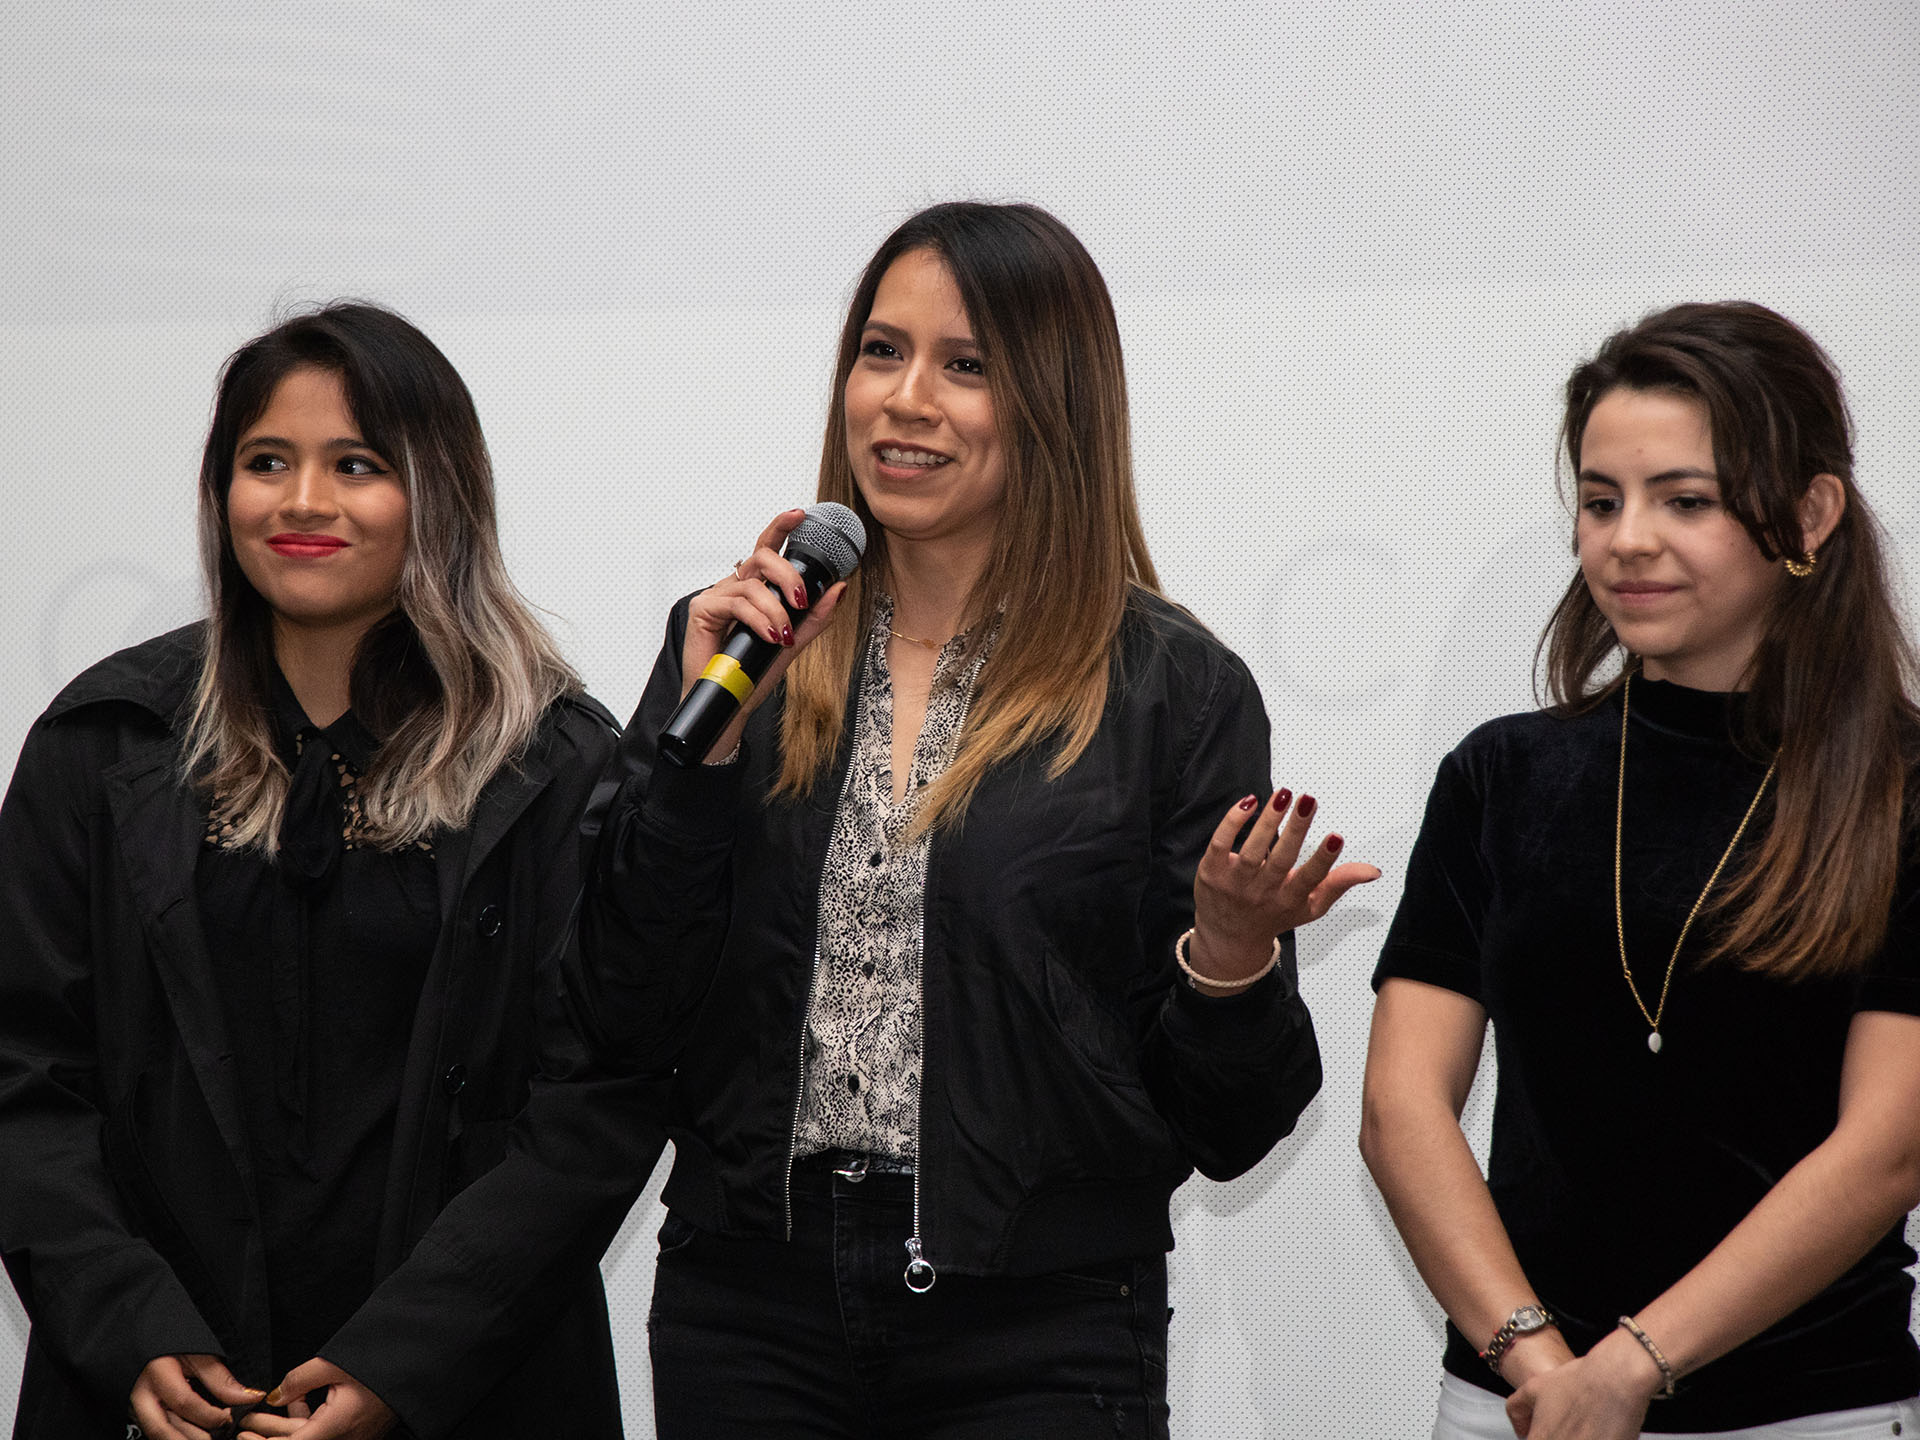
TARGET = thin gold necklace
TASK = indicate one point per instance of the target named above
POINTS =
(934, 645)
(1619, 925)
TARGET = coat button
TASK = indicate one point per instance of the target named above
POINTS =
(455, 1080)
(490, 921)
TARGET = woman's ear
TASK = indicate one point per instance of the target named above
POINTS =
(1820, 511)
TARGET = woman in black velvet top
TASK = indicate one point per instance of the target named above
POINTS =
(1685, 897)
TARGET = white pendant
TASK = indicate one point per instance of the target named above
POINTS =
(1653, 1042)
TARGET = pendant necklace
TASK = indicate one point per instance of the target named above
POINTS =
(1653, 1017)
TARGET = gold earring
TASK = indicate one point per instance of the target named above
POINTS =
(1800, 569)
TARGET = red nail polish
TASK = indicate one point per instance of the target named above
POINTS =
(786, 635)
(1282, 798)
(1307, 805)
(774, 636)
(799, 598)
(1334, 842)
(1249, 802)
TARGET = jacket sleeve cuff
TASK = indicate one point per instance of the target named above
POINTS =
(696, 802)
(129, 1310)
(1239, 1023)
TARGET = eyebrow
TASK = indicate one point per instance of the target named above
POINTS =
(342, 442)
(957, 342)
(1684, 472)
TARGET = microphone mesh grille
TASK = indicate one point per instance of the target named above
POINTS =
(835, 534)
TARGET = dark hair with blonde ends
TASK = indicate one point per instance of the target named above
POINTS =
(1069, 544)
(1830, 682)
(453, 681)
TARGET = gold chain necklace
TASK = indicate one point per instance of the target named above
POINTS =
(1619, 925)
(933, 645)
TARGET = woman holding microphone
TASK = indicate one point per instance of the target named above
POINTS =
(1685, 898)
(949, 942)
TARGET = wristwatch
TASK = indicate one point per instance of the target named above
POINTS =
(1524, 1321)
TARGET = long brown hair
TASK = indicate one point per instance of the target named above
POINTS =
(1830, 681)
(455, 680)
(1069, 545)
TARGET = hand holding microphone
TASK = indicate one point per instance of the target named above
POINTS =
(743, 633)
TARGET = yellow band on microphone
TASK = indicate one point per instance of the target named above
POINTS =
(725, 672)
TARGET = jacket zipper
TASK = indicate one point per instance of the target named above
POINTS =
(920, 1273)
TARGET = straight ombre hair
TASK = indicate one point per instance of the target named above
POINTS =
(1069, 548)
(454, 681)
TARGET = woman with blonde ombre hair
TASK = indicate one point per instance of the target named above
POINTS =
(972, 942)
(285, 903)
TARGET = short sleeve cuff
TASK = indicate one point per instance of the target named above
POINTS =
(1449, 971)
(1897, 993)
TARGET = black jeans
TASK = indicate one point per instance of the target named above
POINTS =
(822, 1337)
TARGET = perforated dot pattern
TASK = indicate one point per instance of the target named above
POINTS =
(1355, 250)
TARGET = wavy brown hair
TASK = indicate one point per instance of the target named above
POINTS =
(1831, 680)
(454, 681)
(1069, 547)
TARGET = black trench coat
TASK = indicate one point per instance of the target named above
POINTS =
(127, 1218)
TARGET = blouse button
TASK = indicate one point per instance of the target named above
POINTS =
(455, 1080)
(867, 969)
(874, 860)
(490, 921)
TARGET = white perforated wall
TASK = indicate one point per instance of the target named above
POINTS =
(1355, 249)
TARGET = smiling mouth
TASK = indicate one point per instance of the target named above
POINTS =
(908, 459)
(306, 547)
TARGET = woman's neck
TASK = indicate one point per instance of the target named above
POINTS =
(318, 664)
(932, 586)
(1721, 673)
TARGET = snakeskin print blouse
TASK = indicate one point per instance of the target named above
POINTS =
(862, 1081)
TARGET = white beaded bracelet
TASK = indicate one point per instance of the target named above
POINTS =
(1180, 955)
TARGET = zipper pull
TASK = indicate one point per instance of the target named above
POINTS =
(920, 1271)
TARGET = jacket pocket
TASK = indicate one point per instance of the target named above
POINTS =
(153, 1217)
(1093, 1023)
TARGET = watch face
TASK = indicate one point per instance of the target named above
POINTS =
(1528, 1318)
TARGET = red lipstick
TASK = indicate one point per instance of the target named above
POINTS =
(297, 546)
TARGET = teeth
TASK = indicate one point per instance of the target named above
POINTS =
(894, 456)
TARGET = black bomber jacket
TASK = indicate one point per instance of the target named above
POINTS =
(1071, 1078)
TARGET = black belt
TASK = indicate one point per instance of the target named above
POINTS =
(855, 1164)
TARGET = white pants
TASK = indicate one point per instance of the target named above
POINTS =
(1469, 1413)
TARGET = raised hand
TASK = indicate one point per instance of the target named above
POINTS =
(1242, 899)
(743, 598)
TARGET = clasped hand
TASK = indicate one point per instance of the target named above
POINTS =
(1243, 898)
(1601, 1395)
(195, 1397)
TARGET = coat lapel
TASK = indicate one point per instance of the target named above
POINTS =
(159, 828)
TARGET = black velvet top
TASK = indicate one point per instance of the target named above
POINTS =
(1615, 1170)
(320, 956)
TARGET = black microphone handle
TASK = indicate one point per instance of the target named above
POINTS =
(730, 677)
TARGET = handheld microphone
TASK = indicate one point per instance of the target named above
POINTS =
(825, 548)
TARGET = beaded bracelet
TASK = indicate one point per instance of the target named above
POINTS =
(1180, 954)
(1631, 1326)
